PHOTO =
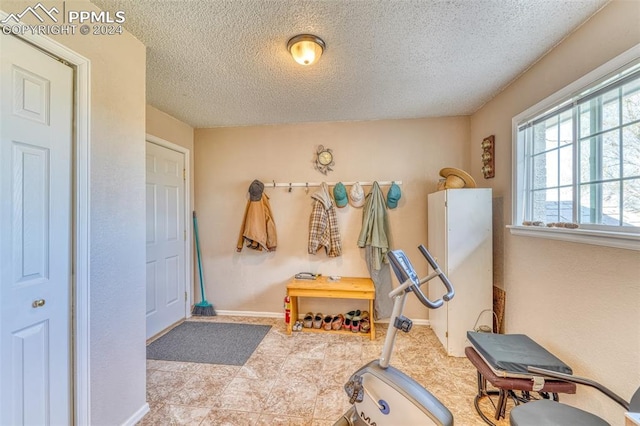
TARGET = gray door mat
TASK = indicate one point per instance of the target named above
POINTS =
(208, 342)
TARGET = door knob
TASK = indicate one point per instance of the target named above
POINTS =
(38, 303)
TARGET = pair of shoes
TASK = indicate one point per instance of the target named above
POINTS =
(352, 314)
(355, 320)
(308, 320)
(326, 322)
(365, 322)
(352, 319)
(336, 323)
(297, 326)
(317, 320)
(347, 324)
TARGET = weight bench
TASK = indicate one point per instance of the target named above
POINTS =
(502, 360)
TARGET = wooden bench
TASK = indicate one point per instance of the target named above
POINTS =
(345, 288)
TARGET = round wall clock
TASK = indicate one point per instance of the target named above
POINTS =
(324, 159)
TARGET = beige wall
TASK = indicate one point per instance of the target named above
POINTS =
(164, 126)
(117, 219)
(580, 301)
(228, 159)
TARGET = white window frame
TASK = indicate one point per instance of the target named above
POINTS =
(623, 239)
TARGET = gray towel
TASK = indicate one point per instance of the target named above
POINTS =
(382, 281)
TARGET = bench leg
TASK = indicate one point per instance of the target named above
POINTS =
(476, 404)
(483, 392)
(502, 404)
(482, 384)
(372, 325)
(294, 313)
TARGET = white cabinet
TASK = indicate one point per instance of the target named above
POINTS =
(460, 238)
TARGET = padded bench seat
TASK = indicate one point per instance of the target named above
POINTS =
(510, 354)
(507, 374)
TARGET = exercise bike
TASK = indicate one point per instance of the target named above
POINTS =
(382, 394)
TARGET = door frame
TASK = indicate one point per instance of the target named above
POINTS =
(188, 251)
(80, 320)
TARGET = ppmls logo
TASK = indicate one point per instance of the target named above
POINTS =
(67, 22)
(39, 11)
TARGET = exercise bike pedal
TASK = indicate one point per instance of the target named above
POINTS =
(403, 323)
(354, 389)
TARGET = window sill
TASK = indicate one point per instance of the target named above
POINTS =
(584, 236)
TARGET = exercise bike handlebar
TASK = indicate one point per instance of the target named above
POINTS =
(431, 304)
(450, 291)
(410, 281)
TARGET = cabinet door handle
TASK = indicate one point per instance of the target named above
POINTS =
(38, 303)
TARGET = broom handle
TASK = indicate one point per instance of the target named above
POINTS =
(195, 231)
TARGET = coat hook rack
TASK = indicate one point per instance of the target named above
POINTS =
(308, 185)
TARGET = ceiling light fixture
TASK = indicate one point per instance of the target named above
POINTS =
(306, 49)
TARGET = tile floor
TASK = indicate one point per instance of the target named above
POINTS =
(298, 380)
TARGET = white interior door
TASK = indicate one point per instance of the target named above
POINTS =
(35, 236)
(166, 238)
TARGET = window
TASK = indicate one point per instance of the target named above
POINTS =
(578, 157)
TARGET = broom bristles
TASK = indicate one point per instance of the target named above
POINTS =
(203, 309)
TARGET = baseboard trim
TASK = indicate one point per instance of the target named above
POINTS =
(137, 416)
(281, 315)
(250, 314)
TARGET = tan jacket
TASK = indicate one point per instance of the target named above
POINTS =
(258, 229)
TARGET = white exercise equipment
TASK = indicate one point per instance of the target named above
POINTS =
(381, 394)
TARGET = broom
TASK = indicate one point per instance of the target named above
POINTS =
(203, 308)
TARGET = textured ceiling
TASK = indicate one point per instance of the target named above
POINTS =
(225, 63)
